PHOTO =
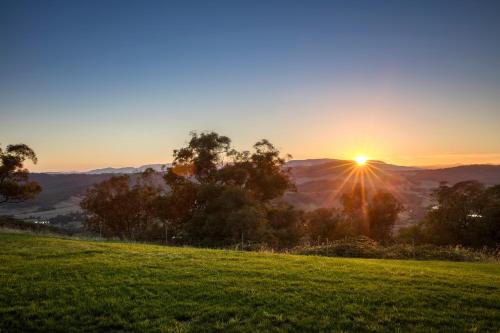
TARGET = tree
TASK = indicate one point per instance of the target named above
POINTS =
(15, 185)
(383, 211)
(354, 209)
(224, 215)
(466, 213)
(219, 195)
(324, 224)
(106, 207)
(116, 208)
(491, 217)
(203, 155)
(267, 179)
(370, 215)
(215, 196)
(453, 219)
(176, 207)
(286, 226)
(262, 172)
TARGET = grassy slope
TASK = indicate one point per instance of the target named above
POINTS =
(52, 284)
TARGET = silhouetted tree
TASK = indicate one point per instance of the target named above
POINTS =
(286, 226)
(372, 216)
(203, 155)
(15, 185)
(491, 217)
(116, 208)
(383, 211)
(215, 196)
(223, 215)
(466, 213)
(107, 207)
(267, 177)
(177, 206)
(219, 196)
(325, 224)
(354, 209)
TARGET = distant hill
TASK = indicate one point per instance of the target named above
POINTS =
(487, 174)
(292, 164)
(61, 194)
(156, 167)
(309, 162)
(320, 183)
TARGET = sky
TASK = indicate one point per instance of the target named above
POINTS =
(90, 84)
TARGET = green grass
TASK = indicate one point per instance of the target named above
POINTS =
(60, 285)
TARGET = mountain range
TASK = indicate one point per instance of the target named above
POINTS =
(293, 163)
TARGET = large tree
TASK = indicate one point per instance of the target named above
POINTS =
(286, 226)
(491, 217)
(219, 196)
(371, 215)
(466, 213)
(225, 215)
(123, 207)
(176, 206)
(261, 172)
(214, 196)
(354, 204)
(383, 211)
(203, 155)
(15, 185)
(325, 224)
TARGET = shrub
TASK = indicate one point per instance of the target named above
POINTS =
(364, 247)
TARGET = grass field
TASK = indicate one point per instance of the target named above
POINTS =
(59, 285)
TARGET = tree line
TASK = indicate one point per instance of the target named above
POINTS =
(214, 195)
(467, 213)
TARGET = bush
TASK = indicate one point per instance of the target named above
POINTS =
(364, 247)
(356, 247)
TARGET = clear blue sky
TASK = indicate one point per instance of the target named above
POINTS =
(115, 83)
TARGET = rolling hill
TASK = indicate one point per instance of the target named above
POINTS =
(156, 167)
(58, 285)
(320, 183)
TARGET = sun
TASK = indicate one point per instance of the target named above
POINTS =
(361, 160)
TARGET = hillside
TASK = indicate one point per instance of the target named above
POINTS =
(142, 168)
(320, 183)
(59, 285)
(61, 194)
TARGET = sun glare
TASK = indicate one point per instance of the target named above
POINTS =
(361, 160)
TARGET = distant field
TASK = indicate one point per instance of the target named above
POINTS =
(59, 285)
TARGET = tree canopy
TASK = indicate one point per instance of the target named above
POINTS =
(467, 213)
(15, 185)
(214, 195)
